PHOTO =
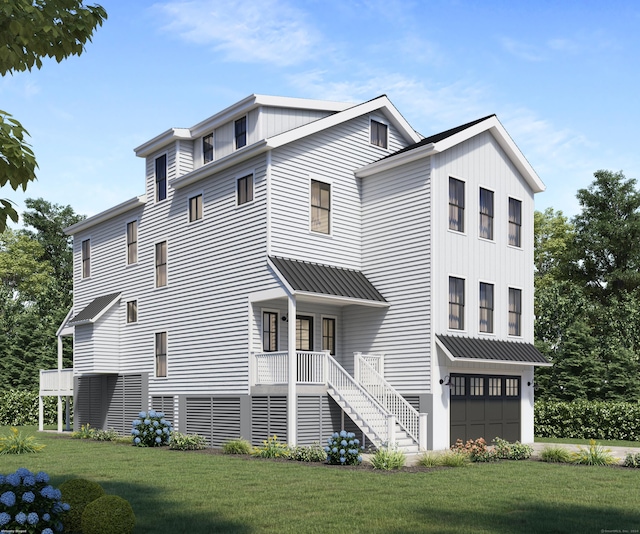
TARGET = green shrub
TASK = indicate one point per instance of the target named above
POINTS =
(78, 492)
(511, 451)
(272, 448)
(108, 514)
(343, 449)
(594, 455)
(308, 453)
(85, 432)
(632, 460)
(477, 450)
(388, 458)
(151, 430)
(19, 407)
(18, 443)
(237, 446)
(186, 442)
(611, 420)
(555, 454)
(454, 459)
(105, 435)
(429, 459)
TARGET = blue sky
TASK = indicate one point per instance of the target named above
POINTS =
(561, 76)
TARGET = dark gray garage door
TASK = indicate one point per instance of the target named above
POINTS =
(485, 406)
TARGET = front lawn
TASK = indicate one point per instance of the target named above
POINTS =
(199, 492)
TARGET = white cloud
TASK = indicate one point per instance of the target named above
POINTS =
(522, 50)
(270, 31)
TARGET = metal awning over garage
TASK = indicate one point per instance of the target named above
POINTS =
(459, 348)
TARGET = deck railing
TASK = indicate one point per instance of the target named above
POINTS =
(56, 381)
(272, 367)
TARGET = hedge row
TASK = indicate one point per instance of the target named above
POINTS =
(19, 407)
(588, 419)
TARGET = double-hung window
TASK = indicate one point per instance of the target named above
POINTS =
(245, 189)
(329, 335)
(486, 307)
(132, 311)
(207, 148)
(486, 213)
(320, 207)
(304, 332)
(456, 205)
(241, 132)
(515, 222)
(269, 331)
(132, 242)
(161, 178)
(86, 258)
(161, 264)
(456, 303)
(195, 208)
(161, 354)
(379, 133)
(515, 312)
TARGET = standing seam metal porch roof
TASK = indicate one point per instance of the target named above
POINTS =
(494, 350)
(94, 309)
(326, 280)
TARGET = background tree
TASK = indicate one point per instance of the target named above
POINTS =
(31, 30)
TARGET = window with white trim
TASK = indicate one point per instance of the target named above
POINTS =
(456, 303)
(161, 264)
(456, 205)
(515, 312)
(269, 331)
(132, 242)
(240, 127)
(86, 258)
(207, 148)
(245, 189)
(304, 332)
(161, 354)
(329, 335)
(320, 207)
(195, 208)
(486, 307)
(132, 311)
(486, 213)
(515, 222)
(379, 133)
(161, 178)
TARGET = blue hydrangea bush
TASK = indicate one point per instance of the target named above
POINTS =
(29, 504)
(151, 429)
(343, 449)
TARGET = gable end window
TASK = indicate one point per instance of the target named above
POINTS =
(86, 258)
(456, 205)
(241, 132)
(161, 178)
(486, 213)
(456, 303)
(269, 331)
(132, 242)
(320, 207)
(195, 208)
(486, 307)
(161, 354)
(379, 132)
(245, 189)
(207, 148)
(132, 311)
(515, 312)
(515, 222)
(161, 264)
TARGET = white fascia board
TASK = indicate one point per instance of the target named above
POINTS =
(507, 144)
(290, 291)
(125, 206)
(322, 298)
(63, 329)
(162, 140)
(221, 164)
(395, 161)
(380, 103)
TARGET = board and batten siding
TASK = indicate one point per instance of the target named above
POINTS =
(481, 162)
(331, 156)
(396, 256)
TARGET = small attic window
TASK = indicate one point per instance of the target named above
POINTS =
(207, 148)
(379, 132)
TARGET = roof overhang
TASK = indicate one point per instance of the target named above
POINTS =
(125, 206)
(64, 329)
(95, 309)
(466, 349)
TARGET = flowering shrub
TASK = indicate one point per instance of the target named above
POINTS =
(29, 504)
(18, 443)
(151, 430)
(308, 453)
(477, 450)
(272, 448)
(512, 451)
(187, 442)
(343, 449)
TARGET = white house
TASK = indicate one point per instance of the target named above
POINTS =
(295, 267)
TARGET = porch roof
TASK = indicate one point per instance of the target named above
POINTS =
(315, 278)
(460, 348)
(94, 310)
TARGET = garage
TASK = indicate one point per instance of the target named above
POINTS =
(485, 406)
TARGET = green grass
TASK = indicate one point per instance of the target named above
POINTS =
(198, 493)
(603, 442)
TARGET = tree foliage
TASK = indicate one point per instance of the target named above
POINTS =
(30, 31)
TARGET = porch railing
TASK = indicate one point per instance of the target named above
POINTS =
(272, 367)
(56, 380)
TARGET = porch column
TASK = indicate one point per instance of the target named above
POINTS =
(59, 383)
(292, 400)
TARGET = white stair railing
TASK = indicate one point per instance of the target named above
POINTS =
(383, 392)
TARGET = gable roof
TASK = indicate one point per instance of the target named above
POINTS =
(95, 309)
(460, 348)
(444, 140)
(314, 278)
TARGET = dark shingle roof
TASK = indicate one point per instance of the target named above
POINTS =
(492, 349)
(439, 136)
(94, 308)
(326, 280)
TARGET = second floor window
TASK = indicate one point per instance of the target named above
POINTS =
(161, 354)
(245, 189)
(195, 208)
(86, 258)
(515, 312)
(456, 303)
(320, 207)
(379, 134)
(161, 264)
(207, 148)
(132, 242)
(486, 307)
(486, 213)
(269, 331)
(161, 178)
(456, 205)
(515, 222)
(132, 311)
(241, 132)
